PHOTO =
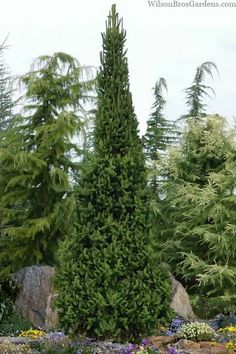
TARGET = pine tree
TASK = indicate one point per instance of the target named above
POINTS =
(199, 90)
(200, 212)
(161, 134)
(37, 165)
(108, 283)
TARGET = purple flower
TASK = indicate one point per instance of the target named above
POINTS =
(129, 349)
(145, 341)
(172, 350)
(176, 323)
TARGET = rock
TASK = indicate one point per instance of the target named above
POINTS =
(187, 344)
(180, 302)
(34, 300)
(184, 346)
(106, 347)
(19, 340)
(205, 351)
(161, 342)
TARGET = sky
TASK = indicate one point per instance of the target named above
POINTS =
(167, 42)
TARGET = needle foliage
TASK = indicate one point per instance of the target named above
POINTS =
(109, 285)
(37, 163)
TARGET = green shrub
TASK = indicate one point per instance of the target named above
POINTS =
(196, 331)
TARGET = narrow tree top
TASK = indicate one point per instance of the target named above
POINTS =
(116, 126)
(113, 19)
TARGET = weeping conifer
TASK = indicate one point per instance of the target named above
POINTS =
(199, 242)
(108, 283)
(37, 166)
(198, 90)
(161, 134)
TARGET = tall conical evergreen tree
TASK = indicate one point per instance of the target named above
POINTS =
(108, 283)
(37, 166)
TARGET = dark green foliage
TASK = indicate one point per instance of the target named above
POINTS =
(37, 166)
(9, 287)
(109, 285)
(13, 323)
(8, 291)
(161, 134)
(10, 321)
(198, 90)
(200, 211)
(206, 307)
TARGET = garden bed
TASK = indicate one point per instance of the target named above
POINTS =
(217, 336)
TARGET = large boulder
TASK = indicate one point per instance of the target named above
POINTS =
(180, 302)
(36, 296)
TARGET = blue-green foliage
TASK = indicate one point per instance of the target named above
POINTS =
(37, 166)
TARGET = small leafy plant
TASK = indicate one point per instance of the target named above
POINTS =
(196, 331)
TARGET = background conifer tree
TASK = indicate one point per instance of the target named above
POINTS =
(6, 92)
(37, 166)
(161, 134)
(200, 213)
(160, 131)
(198, 90)
(108, 283)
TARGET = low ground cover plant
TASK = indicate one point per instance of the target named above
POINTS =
(196, 331)
(176, 323)
(33, 333)
(8, 347)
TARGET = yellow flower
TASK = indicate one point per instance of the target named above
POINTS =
(32, 333)
(230, 345)
(231, 329)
